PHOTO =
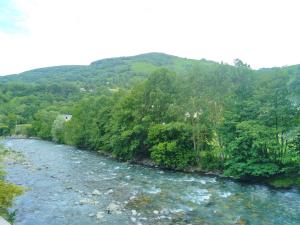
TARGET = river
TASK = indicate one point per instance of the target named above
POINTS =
(68, 186)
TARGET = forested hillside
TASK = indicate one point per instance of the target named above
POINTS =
(123, 71)
(177, 113)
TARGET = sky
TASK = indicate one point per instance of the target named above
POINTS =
(41, 33)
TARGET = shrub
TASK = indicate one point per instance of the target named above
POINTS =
(24, 129)
(172, 146)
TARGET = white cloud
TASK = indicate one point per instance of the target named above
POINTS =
(56, 32)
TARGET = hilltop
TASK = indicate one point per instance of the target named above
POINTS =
(119, 71)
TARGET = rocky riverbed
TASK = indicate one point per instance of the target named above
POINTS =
(67, 186)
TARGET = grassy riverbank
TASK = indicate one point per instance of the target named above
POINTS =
(7, 191)
(277, 182)
(284, 182)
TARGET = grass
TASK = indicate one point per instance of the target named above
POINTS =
(297, 182)
(284, 182)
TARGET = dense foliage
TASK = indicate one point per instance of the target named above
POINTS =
(189, 114)
(7, 192)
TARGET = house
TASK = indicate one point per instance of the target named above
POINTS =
(67, 117)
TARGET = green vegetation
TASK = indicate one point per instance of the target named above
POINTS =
(284, 182)
(7, 192)
(178, 113)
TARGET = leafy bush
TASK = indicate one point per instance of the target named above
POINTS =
(24, 129)
(57, 130)
(283, 182)
(208, 161)
(131, 143)
(4, 130)
(7, 191)
(247, 156)
(171, 145)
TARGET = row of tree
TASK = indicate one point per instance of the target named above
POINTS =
(231, 119)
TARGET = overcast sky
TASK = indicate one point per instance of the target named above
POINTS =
(40, 33)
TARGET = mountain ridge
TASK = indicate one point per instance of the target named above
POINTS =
(125, 70)
(105, 70)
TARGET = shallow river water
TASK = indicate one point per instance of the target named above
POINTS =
(67, 186)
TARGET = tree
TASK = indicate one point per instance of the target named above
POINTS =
(172, 146)
(42, 125)
(58, 128)
(248, 153)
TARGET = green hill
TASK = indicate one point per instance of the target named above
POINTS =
(115, 71)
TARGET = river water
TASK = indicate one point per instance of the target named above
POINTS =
(67, 186)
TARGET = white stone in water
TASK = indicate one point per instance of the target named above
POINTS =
(225, 194)
(84, 201)
(91, 214)
(133, 219)
(134, 212)
(100, 215)
(109, 192)
(114, 208)
(96, 192)
(154, 190)
(132, 197)
(156, 212)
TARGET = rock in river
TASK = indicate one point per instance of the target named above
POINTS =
(99, 215)
(134, 212)
(113, 208)
(96, 192)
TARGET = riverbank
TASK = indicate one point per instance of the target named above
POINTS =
(276, 182)
(8, 191)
